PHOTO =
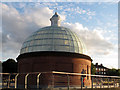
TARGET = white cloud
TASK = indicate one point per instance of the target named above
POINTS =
(111, 24)
(90, 13)
(52, 0)
(94, 39)
(90, 1)
(16, 27)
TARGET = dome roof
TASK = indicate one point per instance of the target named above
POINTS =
(53, 38)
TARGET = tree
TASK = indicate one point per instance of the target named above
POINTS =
(93, 70)
(112, 72)
(118, 72)
(9, 66)
(0, 66)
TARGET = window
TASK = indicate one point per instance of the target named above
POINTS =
(104, 72)
(87, 71)
(99, 69)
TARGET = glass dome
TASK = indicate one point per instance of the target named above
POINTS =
(53, 38)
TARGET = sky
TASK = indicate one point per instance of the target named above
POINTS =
(96, 23)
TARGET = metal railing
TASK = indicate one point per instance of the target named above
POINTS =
(58, 80)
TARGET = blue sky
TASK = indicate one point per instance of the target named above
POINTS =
(104, 12)
(96, 23)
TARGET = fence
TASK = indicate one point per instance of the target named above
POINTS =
(57, 80)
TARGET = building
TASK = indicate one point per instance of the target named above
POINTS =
(54, 48)
(100, 69)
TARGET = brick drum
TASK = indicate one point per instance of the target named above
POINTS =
(53, 61)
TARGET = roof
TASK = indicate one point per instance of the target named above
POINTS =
(53, 38)
(100, 66)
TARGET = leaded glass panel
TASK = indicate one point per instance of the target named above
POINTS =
(53, 38)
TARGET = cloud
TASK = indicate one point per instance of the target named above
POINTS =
(93, 39)
(111, 24)
(91, 13)
(89, 1)
(79, 10)
(16, 27)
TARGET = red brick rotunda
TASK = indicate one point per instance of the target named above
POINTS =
(53, 48)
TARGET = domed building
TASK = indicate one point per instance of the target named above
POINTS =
(54, 48)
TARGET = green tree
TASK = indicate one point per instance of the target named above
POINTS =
(112, 72)
(118, 72)
(93, 70)
(9, 66)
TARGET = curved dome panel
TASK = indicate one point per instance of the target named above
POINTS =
(53, 38)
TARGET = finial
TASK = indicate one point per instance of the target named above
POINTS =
(55, 20)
